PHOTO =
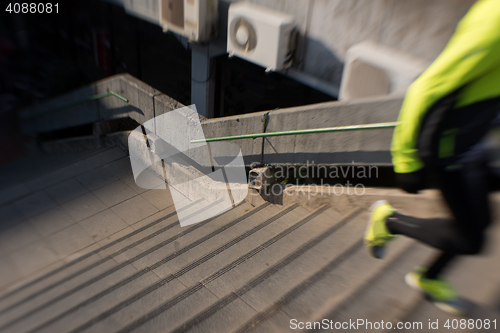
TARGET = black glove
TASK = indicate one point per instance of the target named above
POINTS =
(411, 182)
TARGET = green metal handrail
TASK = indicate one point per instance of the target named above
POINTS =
(82, 101)
(306, 131)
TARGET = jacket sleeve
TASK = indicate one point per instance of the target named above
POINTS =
(472, 52)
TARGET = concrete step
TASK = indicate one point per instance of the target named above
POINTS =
(480, 289)
(84, 263)
(83, 282)
(199, 296)
(17, 177)
(107, 310)
(382, 295)
(232, 287)
(324, 288)
(76, 144)
(253, 268)
(147, 229)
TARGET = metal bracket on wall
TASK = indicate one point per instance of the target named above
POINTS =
(265, 118)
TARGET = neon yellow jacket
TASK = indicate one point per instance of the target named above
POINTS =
(471, 61)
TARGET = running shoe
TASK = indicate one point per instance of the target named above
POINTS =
(377, 235)
(437, 291)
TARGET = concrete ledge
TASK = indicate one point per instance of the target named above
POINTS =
(427, 203)
(181, 174)
(73, 145)
(143, 101)
(362, 146)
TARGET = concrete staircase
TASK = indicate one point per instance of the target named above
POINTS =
(253, 268)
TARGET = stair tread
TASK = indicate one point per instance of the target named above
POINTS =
(326, 287)
(252, 268)
(135, 309)
(108, 266)
(251, 280)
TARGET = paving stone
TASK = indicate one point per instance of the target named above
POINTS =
(227, 319)
(70, 232)
(102, 158)
(69, 240)
(86, 313)
(35, 204)
(221, 260)
(115, 236)
(392, 296)
(114, 193)
(54, 177)
(97, 178)
(122, 167)
(154, 217)
(52, 221)
(19, 236)
(10, 215)
(22, 287)
(299, 269)
(234, 252)
(130, 181)
(88, 249)
(273, 254)
(170, 223)
(143, 305)
(51, 171)
(40, 301)
(12, 192)
(66, 191)
(30, 322)
(9, 272)
(173, 317)
(3, 252)
(134, 209)
(83, 207)
(193, 237)
(103, 224)
(34, 257)
(161, 199)
(279, 322)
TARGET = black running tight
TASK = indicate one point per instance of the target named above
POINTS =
(465, 190)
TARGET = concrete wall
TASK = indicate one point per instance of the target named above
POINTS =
(418, 27)
(360, 147)
(144, 103)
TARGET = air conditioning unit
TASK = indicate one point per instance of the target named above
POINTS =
(260, 35)
(372, 69)
(195, 19)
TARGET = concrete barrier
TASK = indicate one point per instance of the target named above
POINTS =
(359, 147)
(145, 103)
(49, 116)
